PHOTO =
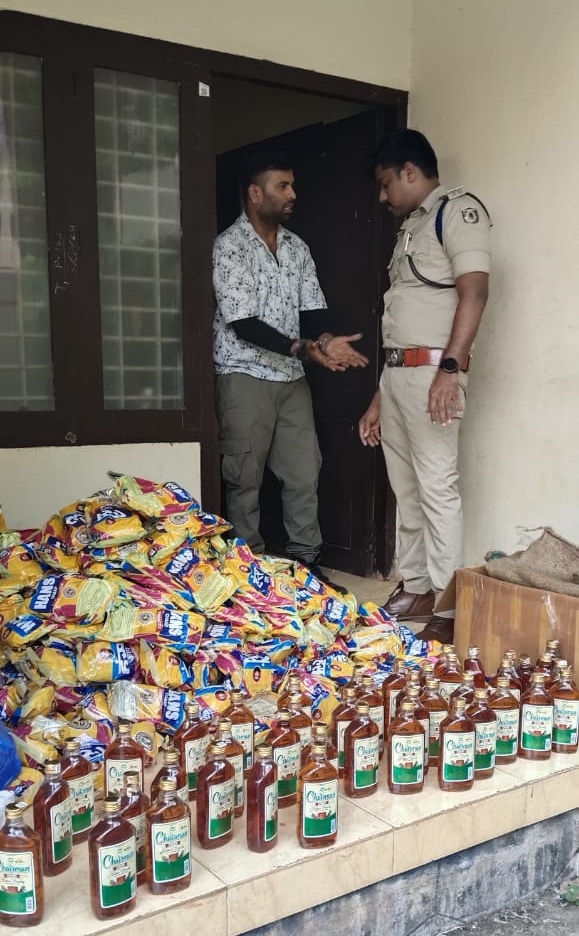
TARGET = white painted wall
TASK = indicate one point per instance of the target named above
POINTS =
(368, 40)
(495, 87)
(36, 482)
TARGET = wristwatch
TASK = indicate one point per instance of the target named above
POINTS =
(449, 365)
(301, 351)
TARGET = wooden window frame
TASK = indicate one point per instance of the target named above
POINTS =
(69, 55)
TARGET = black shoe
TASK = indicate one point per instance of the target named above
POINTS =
(322, 577)
(438, 628)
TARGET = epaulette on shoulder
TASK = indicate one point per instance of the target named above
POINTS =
(450, 195)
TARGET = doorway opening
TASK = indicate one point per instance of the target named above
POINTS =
(330, 141)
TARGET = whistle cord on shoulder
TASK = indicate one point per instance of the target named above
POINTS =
(424, 279)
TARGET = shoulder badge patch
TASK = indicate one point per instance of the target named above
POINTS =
(470, 215)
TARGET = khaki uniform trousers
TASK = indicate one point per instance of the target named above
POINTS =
(265, 422)
(421, 459)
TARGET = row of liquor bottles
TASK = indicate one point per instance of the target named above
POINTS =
(464, 743)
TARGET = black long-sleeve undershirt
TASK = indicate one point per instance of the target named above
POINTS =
(256, 332)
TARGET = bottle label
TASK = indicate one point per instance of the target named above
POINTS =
(447, 688)
(115, 771)
(305, 733)
(377, 715)
(243, 733)
(320, 808)
(407, 758)
(270, 803)
(195, 758)
(342, 725)
(366, 752)
(288, 765)
(236, 762)
(485, 745)
(435, 719)
(171, 849)
(507, 731)
(61, 830)
(139, 824)
(536, 727)
(221, 799)
(393, 697)
(565, 721)
(17, 884)
(117, 873)
(82, 798)
(458, 756)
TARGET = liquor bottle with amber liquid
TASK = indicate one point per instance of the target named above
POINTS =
(558, 665)
(437, 709)
(465, 689)
(524, 670)
(294, 684)
(262, 807)
(450, 675)
(21, 881)
(505, 705)
(168, 841)
(370, 694)
(112, 860)
(442, 657)
(172, 769)
(122, 754)
(565, 697)
(552, 647)
(485, 744)
(320, 735)
(355, 681)
(285, 742)
(406, 746)
(53, 820)
(472, 664)
(134, 805)
(426, 672)
(242, 726)
(341, 718)
(507, 670)
(234, 753)
(394, 684)
(536, 728)
(361, 754)
(300, 720)
(215, 798)
(457, 747)
(191, 740)
(317, 822)
(545, 663)
(78, 773)
(421, 715)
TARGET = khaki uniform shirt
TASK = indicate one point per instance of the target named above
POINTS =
(417, 315)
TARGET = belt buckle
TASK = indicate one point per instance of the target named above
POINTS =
(395, 357)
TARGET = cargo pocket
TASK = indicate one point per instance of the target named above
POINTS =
(238, 464)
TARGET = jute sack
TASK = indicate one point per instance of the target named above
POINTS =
(550, 563)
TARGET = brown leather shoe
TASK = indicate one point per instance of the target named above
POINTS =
(408, 606)
(438, 628)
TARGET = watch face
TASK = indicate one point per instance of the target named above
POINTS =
(449, 365)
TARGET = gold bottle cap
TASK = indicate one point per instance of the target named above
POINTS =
(412, 692)
(481, 694)
(552, 644)
(399, 666)
(168, 784)
(503, 682)
(224, 724)
(171, 756)
(448, 648)
(123, 728)
(111, 803)
(368, 681)
(348, 693)
(193, 707)
(510, 655)
(264, 751)
(473, 652)
(538, 679)
(427, 667)
(433, 682)
(236, 695)
(13, 811)
(546, 657)
(320, 729)
(524, 658)
(318, 748)
(294, 678)
(362, 708)
(359, 669)
(283, 715)
(560, 664)
(217, 749)
(566, 671)
(458, 703)
(52, 768)
(452, 657)
(407, 706)
(468, 677)
(133, 778)
(72, 746)
(295, 700)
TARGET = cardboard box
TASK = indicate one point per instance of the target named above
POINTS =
(497, 616)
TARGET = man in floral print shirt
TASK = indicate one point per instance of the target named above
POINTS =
(268, 300)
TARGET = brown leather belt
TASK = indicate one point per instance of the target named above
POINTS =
(416, 357)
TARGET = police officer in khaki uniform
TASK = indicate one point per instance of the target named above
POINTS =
(439, 275)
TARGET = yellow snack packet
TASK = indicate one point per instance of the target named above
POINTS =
(112, 525)
(72, 598)
(162, 667)
(20, 563)
(152, 498)
(26, 784)
(32, 751)
(39, 704)
(102, 661)
(55, 660)
(3, 525)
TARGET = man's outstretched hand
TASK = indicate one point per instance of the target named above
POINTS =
(339, 355)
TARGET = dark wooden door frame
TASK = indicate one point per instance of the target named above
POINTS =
(24, 32)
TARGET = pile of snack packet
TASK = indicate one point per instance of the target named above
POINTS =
(125, 604)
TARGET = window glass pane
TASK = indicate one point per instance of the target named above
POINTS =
(25, 347)
(137, 138)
